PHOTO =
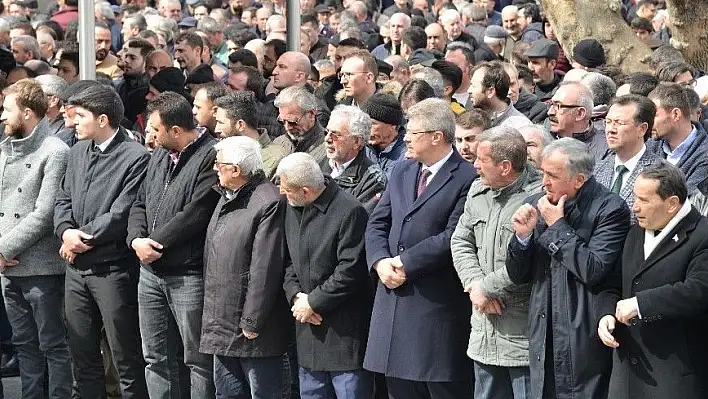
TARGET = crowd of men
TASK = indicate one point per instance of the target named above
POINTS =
(429, 200)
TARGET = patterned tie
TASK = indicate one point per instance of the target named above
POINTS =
(422, 182)
(617, 186)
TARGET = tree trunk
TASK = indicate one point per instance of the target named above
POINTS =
(574, 20)
(688, 21)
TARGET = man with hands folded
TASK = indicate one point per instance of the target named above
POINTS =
(653, 307)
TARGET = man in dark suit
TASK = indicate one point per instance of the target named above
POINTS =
(566, 244)
(661, 297)
(326, 281)
(628, 125)
(419, 327)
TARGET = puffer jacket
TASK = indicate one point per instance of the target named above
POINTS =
(479, 254)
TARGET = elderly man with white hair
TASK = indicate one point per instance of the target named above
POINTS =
(326, 281)
(537, 138)
(452, 23)
(397, 23)
(249, 340)
(53, 86)
(348, 133)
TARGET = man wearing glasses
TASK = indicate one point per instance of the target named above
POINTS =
(358, 76)
(296, 111)
(569, 114)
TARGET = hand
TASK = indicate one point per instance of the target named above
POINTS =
(315, 319)
(74, 241)
(494, 306)
(551, 213)
(250, 335)
(482, 302)
(301, 308)
(392, 277)
(605, 329)
(626, 310)
(146, 249)
(6, 263)
(525, 220)
(66, 254)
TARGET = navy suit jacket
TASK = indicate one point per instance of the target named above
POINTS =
(419, 331)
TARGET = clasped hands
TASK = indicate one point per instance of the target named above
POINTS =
(482, 302)
(302, 311)
(390, 271)
(147, 249)
(625, 311)
(74, 242)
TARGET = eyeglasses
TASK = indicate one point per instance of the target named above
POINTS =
(422, 132)
(558, 105)
(617, 122)
(220, 164)
(290, 123)
(348, 75)
(690, 84)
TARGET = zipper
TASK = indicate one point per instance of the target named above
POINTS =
(162, 195)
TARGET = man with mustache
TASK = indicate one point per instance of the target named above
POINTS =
(386, 146)
(105, 61)
(542, 62)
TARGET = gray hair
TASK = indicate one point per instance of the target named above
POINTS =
(30, 44)
(474, 13)
(546, 137)
(301, 170)
(358, 122)
(44, 37)
(450, 15)
(208, 25)
(52, 85)
(585, 99)
(601, 87)
(299, 96)
(243, 152)
(4, 25)
(166, 27)
(434, 114)
(575, 75)
(105, 9)
(433, 78)
(580, 160)
(506, 144)
(135, 20)
(323, 64)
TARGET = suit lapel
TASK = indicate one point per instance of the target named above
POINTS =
(670, 243)
(410, 184)
(437, 182)
(628, 188)
(605, 172)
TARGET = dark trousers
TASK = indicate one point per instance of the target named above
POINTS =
(355, 384)
(249, 377)
(407, 389)
(109, 300)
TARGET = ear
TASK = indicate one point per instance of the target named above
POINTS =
(507, 167)
(676, 114)
(579, 181)
(582, 113)
(674, 204)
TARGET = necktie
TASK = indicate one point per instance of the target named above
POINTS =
(617, 186)
(422, 181)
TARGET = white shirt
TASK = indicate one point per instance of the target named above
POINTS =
(338, 170)
(435, 168)
(631, 164)
(102, 147)
(461, 97)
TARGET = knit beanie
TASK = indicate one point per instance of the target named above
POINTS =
(168, 79)
(589, 53)
(384, 108)
(200, 75)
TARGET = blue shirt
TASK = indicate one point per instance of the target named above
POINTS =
(675, 156)
(389, 156)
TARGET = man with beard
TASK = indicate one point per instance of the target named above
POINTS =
(188, 52)
(296, 110)
(105, 61)
(469, 125)
(348, 132)
(133, 85)
(489, 89)
(542, 62)
(386, 146)
(293, 69)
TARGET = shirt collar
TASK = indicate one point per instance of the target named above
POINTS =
(102, 147)
(174, 155)
(435, 168)
(681, 148)
(631, 163)
(339, 170)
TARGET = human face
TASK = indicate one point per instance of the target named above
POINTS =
(200, 12)
(262, 16)
(510, 22)
(541, 69)
(556, 179)
(224, 126)
(68, 112)
(436, 37)
(354, 78)
(188, 57)
(652, 212)
(340, 145)
(174, 11)
(621, 130)
(663, 121)
(490, 173)
(203, 110)
(87, 124)
(103, 43)
(133, 62)
(237, 81)
(382, 134)
(339, 56)
(247, 18)
(67, 71)
(523, 20)
(563, 112)
(163, 136)
(457, 58)
(647, 11)
(156, 63)
(334, 23)
(534, 145)
(285, 73)
(480, 95)
(642, 34)
(296, 195)
(548, 30)
(296, 122)
(21, 54)
(418, 141)
(12, 116)
(224, 170)
(397, 24)
(16, 10)
(466, 142)
(514, 87)
(685, 79)
(452, 28)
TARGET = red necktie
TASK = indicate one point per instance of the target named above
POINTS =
(422, 181)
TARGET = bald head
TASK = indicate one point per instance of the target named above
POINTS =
(157, 61)
(398, 22)
(436, 37)
(292, 69)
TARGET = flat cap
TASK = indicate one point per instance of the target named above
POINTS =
(543, 47)
(495, 32)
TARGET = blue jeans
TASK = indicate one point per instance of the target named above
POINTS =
(356, 384)
(501, 382)
(248, 377)
(170, 310)
(35, 308)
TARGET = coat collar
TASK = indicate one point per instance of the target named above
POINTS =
(354, 171)
(331, 190)
(14, 146)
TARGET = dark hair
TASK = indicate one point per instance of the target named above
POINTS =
(466, 50)
(646, 110)
(473, 118)
(30, 73)
(104, 79)
(29, 95)
(309, 17)
(671, 180)
(668, 72)
(191, 39)
(672, 95)
(665, 53)
(496, 77)
(39, 67)
(642, 23)
(72, 31)
(611, 71)
(414, 37)
(101, 25)
(145, 46)
(352, 42)
(524, 74)
(203, 4)
(240, 105)
(642, 3)
(55, 27)
(419, 21)
(214, 90)
(245, 57)
(72, 3)
(71, 53)
(641, 83)
(147, 34)
(173, 109)
(254, 80)
(26, 27)
(531, 10)
(242, 37)
(451, 73)
(693, 99)
(279, 47)
(102, 100)
(416, 90)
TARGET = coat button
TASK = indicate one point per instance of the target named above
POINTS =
(408, 219)
(28, 165)
(538, 358)
(633, 360)
(19, 189)
(400, 248)
(2, 214)
(17, 216)
(636, 282)
(543, 315)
